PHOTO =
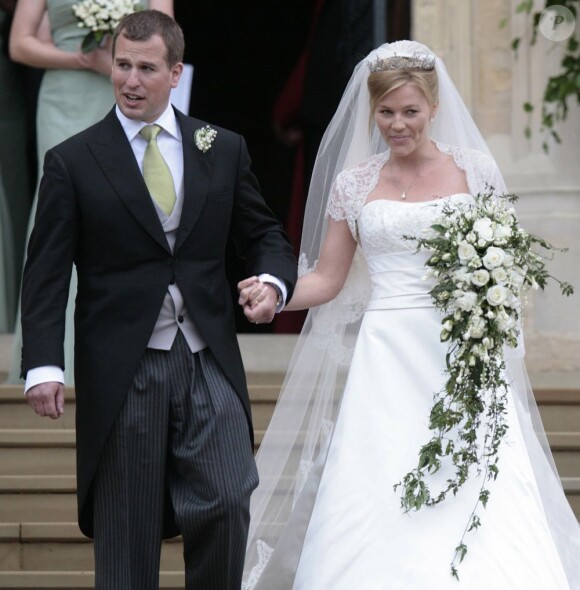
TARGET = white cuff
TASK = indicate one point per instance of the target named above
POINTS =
(280, 287)
(45, 374)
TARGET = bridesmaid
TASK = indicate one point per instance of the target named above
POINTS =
(75, 93)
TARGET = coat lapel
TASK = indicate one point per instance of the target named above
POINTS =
(115, 156)
(197, 168)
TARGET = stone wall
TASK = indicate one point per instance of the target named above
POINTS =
(495, 83)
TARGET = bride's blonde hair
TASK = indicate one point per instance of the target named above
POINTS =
(384, 81)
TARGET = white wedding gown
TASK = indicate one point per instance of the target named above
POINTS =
(358, 537)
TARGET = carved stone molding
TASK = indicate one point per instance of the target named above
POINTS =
(445, 26)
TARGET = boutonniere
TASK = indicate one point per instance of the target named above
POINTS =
(204, 138)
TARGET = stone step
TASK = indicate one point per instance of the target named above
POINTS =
(18, 507)
(52, 452)
(37, 452)
(53, 499)
(16, 413)
(15, 580)
(559, 409)
(62, 547)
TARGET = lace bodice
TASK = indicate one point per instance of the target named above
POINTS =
(383, 223)
(353, 185)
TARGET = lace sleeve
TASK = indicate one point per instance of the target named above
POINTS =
(481, 170)
(350, 190)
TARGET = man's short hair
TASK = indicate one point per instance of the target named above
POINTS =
(143, 24)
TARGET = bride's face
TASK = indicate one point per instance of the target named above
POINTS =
(403, 117)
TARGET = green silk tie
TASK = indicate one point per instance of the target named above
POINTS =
(156, 172)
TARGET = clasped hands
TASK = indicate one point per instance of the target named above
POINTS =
(258, 300)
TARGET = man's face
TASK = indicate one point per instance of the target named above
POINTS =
(142, 79)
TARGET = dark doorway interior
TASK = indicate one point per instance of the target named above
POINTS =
(274, 71)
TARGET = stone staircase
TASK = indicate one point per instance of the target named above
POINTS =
(41, 546)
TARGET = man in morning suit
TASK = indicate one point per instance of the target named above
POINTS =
(144, 204)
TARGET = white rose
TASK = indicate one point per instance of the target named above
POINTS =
(483, 227)
(477, 328)
(465, 252)
(509, 260)
(480, 277)
(466, 301)
(504, 322)
(499, 275)
(515, 301)
(493, 258)
(497, 295)
(462, 275)
(517, 277)
(502, 232)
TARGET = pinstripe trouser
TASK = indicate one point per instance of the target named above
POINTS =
(182, 428)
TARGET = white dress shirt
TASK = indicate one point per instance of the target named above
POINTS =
(173, 315)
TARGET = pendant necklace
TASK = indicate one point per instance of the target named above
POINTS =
(398, 186)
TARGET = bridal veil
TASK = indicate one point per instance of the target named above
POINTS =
(293, 452)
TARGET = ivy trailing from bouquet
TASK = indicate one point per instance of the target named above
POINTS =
(482, 261)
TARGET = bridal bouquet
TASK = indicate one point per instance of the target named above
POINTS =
(101, 17)
(482, 261)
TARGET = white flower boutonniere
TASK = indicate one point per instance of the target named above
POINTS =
(204, 138)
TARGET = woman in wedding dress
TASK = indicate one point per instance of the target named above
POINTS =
(354, 409)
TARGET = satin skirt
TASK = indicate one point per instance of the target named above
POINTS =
(358, 536)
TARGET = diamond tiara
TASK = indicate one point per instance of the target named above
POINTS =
(417, 61)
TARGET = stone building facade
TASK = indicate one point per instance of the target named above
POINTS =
(495, 83)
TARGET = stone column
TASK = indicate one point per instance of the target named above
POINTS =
(495, 83)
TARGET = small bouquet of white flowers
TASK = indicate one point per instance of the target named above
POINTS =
(482, 261)
(101, 17)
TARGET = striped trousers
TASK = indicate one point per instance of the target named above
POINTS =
(182, 430)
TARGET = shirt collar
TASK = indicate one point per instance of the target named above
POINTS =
(167, 120)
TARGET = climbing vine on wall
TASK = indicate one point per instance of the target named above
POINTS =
(564, 85)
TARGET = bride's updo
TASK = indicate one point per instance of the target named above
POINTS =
(394, 72)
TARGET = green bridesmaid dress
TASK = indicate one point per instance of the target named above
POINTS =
(69, 101)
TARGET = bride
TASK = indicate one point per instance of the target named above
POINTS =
(354, 408)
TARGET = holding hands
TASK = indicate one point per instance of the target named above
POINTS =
(258, 300)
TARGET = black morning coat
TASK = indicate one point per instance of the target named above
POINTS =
(95, 210)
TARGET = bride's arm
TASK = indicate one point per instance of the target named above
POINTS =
(326, 281)
(321, 285)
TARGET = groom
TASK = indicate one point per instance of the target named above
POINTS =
(144, 204)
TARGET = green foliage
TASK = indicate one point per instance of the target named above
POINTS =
(481, 260)
(561, 87)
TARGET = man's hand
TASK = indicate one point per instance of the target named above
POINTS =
(258, 300)
(47, 399)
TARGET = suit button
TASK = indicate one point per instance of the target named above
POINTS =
(180, 319)
(170, 261)
(172, 281)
